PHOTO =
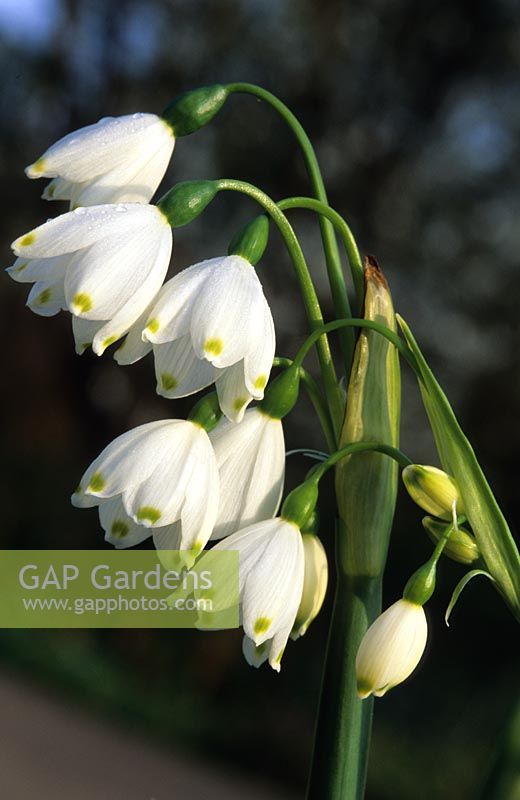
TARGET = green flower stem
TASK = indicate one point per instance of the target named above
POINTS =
(357, 323)
(310, 298)
(334, 269)
(360, 447)
(317, 400)
(341, 303)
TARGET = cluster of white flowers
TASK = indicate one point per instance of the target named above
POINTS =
(105, 261)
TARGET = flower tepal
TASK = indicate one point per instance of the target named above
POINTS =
(117, 160)
(105, 264)
(211, 324)
(161, 477)
(251, 461)
(270, 585)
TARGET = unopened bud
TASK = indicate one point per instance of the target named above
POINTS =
(433, 490)
(461, 545)
(315, 582)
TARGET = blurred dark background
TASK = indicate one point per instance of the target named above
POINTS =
(414, 112)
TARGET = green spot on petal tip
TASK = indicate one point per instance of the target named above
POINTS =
(82, 302)
(213, 347)
(168, 382)
(44, 297)
(97, 483)
(119, 528)
(148, 514)
(27, 240)
(262, 624)
(260, 382)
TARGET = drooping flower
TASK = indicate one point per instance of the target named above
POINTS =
(105, 264)
(270, 582)
(161, 477)
(391, 648)
(116, 160)
(212, 323)
(251, 462)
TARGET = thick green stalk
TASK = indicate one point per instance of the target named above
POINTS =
(341, 745)
(310, 298)
(334, 268)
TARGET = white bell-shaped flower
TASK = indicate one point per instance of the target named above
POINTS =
(105, 264)
(212, 323)
(117, 160)
(162, 476)
(391, 648)
(251, 462)
(271, 571)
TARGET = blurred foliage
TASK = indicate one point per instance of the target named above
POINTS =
(413, 110)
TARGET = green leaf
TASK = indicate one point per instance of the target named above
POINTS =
(496, 544)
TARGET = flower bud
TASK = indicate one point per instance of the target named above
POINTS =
(391, 648)
(251, 241)
(461, 545)
(433, 490)
(315, 582)
(192, 110)
(186, 200)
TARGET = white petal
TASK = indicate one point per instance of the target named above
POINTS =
(167, 541)
(170, 317)
(133, 348)
(58, 189)
(255, 656)
(98, 148)
(139, 302)
(107, 275)
(157, 499)
(251, 461)
(120, 529)
(273, 584)
(46, 298)
(200, 508)
(251, 543)
(41, 269)
(135, 181)
(259, 359)
(233, 396)
(84, 331)
(83, 227)
(228, 309)
(178, 370)
(129, 459)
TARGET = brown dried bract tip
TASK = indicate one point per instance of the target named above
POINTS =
(373, 271)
